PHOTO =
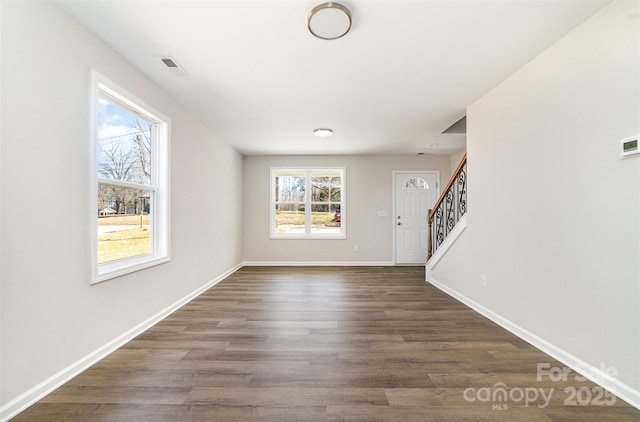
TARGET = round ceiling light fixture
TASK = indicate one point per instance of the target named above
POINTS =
(329, 21)
(323, 132)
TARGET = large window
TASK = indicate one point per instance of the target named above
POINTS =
(131, 182)
(308, 203)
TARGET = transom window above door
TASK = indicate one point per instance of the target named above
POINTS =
(308, 203)
(416, 183)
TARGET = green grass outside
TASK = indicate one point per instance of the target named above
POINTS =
(124, 243)
(123, 220)
(297, 218)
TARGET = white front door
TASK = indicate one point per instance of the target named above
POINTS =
(415, 194)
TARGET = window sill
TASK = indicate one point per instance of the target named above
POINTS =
(308, 237)
(126, 266)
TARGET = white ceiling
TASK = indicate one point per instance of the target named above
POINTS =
(404, 73)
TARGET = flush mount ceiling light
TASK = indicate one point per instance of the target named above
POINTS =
(329, 21)
(323, 132)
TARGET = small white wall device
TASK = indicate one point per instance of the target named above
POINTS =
(629, 147)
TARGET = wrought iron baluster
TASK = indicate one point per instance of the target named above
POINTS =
(451, 221)
(462, 192)
(439, 226)
(449, 208)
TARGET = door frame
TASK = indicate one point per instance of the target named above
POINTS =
(394, 216)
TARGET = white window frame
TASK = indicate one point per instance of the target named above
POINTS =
(308, 172)
(159, 187)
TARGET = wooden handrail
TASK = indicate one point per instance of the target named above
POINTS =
(443, 193)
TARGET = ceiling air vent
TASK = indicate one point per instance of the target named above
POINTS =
(169, 62)
(173, 66)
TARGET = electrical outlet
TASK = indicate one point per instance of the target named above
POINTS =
(233, 253)
(483, 280)
(356, 248)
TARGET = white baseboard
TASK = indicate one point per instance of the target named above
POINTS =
(36, 393)
(597, 375)
(318, 263)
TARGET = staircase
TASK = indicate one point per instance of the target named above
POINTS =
(448, 210)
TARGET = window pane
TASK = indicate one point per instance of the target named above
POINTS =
(290, 189)
(319, 208)
(124, 222)
(124, 145)
(336, 189)
(320, 189)
(325, 188)
(324, 219)
(289, 218)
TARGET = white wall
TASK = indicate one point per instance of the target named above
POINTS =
(554, 213)
(369, 189)
(51, 316)
(455, 159)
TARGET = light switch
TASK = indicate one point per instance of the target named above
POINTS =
(383, 213)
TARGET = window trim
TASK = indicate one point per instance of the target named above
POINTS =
(160, 184)
(308, 171)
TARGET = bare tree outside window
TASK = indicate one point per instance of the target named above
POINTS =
(123, 209)
(143, 147)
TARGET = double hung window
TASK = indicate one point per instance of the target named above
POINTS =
(131, 182)
(308, 203)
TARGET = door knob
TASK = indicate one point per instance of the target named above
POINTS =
(399, 223)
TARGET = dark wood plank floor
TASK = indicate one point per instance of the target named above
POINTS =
(322, 344)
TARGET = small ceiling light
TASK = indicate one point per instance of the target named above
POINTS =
(329, 21)
(323, 132)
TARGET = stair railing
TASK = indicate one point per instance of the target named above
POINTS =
(449, 208)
